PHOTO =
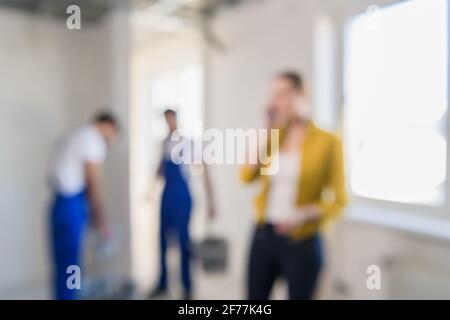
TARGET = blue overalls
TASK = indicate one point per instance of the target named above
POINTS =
(176, 207)
(67, 220)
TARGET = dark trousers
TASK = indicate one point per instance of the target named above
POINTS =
(272, 256)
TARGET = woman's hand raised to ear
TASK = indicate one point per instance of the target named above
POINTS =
(271, 116)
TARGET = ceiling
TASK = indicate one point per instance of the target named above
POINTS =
(93, 10)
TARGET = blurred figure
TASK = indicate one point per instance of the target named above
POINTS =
(176, 205)
(74, 175)
(307, 191)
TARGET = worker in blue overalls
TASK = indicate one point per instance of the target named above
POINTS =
(74, 177)
(176, 205)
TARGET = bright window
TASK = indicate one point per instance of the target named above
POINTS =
(181, 89)
(396, 102)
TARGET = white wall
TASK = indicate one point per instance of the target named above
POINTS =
(52, 79)
(32, 102)
(117, 168)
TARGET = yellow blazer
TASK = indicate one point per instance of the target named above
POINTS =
(321, 180)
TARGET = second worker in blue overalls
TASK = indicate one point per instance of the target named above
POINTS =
(176, 205)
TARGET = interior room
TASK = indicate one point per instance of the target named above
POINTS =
(376, 76)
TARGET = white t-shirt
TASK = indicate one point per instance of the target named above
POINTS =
(283, 189)
(69, 155)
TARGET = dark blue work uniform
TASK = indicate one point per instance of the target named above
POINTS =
(67, 222)
(176, 207)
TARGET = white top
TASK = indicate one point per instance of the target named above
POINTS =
(69, 155)
(283, 189)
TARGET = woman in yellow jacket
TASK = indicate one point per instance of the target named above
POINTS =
(304, 191)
